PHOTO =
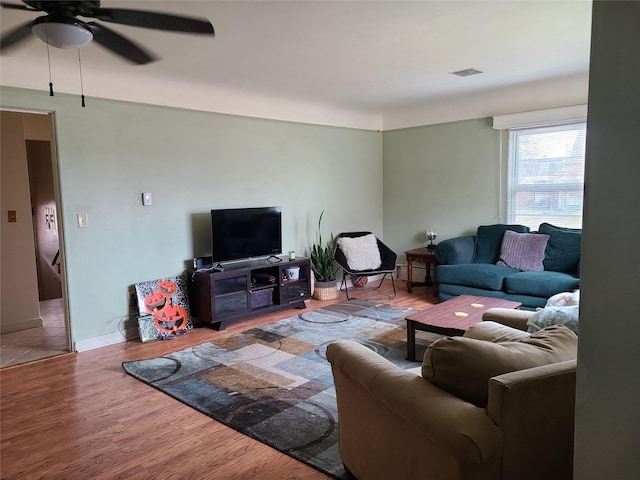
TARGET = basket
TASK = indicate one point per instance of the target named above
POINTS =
(292, 273)
(325, 290)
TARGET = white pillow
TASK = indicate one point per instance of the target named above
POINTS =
(564, 299)
(361, 252)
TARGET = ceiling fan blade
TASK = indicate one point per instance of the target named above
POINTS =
(160, 21)
(16, 6)
(120, 45)
(15, 36)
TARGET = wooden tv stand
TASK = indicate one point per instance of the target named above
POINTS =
(247, 289)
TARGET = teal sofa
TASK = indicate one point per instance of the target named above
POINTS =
(468, 266)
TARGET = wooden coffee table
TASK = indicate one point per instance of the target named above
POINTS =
(452, 317)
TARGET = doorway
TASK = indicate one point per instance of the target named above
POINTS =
(36, 325)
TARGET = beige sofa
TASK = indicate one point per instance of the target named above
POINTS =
(453, 418)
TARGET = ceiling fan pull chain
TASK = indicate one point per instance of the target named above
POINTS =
(48, 60)
(81, 84)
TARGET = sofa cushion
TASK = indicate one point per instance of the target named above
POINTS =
(463, 366)
(563, 248)
(489, 240)
(495, 332)
(540, 284)
(524, 251)
(567, 316)
(457, 250)
(478, 275)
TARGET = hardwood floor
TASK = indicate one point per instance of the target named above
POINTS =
(80, 416)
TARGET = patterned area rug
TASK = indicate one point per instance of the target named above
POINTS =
(274, 383)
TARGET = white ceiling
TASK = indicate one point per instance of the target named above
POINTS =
(363, 64)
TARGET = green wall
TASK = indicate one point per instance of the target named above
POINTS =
(110, 152)
(396, 184)
(446, 176)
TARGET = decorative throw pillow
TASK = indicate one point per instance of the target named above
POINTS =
(463, 366)
(362, 253)
(567, 316)
(489, 239)
(524, 251)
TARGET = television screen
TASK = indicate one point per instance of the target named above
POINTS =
(240, 233)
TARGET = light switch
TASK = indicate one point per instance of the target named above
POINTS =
(147, 199)
(12, 216)
(83, 220)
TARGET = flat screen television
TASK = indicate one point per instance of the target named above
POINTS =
(242, 233)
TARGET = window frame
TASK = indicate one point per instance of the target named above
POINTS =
(513, 170)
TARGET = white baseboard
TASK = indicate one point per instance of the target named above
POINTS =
(119, 337)
(21, 325)
(104, 340)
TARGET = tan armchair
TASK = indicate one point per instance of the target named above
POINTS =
(508, 316)
(395, 424)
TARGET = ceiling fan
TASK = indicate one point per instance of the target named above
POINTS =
(61, 28)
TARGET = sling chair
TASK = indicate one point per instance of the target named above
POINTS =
(363, 254)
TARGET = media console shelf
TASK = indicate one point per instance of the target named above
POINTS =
(248, 289)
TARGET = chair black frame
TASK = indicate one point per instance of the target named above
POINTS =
(388, 266)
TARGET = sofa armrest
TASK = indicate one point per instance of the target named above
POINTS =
(509, 317)
(393, 423)
(457, 250)
(533, 408)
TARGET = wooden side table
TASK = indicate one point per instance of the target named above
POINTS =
(420, 255)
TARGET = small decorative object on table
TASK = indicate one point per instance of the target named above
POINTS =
(292, 273)
(431, 236)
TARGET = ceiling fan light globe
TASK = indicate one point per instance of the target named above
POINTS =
(62, 33)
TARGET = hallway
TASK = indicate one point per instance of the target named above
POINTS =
(36, 343)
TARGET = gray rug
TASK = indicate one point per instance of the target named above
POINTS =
(274, 383)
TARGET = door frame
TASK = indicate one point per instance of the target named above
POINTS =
(60, 217)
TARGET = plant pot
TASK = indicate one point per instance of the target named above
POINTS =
(325, 290)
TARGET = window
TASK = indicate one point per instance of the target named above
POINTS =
(546, 175)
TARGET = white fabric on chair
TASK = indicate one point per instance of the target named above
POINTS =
(362, 253)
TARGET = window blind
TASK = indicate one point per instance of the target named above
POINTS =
(546, 175)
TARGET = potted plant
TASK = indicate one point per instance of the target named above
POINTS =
(322, 257)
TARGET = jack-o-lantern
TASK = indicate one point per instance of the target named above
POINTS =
(154, 302)
(167, 288)
(170, 319)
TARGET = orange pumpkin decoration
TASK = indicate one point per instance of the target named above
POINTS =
(155, 301)
(170, 319)
(167, 288)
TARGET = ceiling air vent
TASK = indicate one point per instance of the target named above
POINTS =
(466, 72)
